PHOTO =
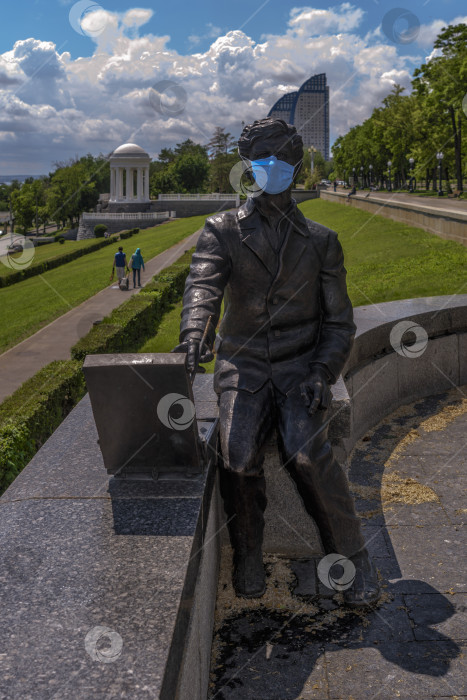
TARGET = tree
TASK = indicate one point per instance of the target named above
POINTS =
(223, 156)
(191, 171)
(221, 143)
(23, 205)
(183, 169)
(441, 85)
(73, 189)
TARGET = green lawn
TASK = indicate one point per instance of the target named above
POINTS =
(167, 335)
(48, 251)
(30, 305)
(385, 260)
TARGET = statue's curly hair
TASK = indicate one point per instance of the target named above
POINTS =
(270, 127)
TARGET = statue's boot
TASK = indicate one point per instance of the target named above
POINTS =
(324, 488)
(245, 502)
(365, 588)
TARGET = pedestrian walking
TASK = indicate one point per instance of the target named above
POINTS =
(120, 264)
(136, 263)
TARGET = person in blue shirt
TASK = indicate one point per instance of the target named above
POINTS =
(120, 264)
(136, 263)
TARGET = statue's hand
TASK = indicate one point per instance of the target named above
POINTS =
(315, 391)
(191, 347)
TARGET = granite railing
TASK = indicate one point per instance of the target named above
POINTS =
(108, 587)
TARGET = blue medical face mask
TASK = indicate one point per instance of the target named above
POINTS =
(272, 175)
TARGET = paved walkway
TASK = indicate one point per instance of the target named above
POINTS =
(54, 341)
(438, 203)
(409, 479)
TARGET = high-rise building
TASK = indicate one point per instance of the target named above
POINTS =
(308, 110)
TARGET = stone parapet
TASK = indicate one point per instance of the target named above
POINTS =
(445, 223)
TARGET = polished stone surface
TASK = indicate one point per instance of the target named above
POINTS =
(80, 550)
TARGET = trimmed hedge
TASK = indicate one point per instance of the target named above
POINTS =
(30, 415)
(62, 259)
(136, 320)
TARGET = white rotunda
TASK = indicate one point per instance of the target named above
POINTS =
(129, 178)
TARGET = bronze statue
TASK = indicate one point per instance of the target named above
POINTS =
(285, 336)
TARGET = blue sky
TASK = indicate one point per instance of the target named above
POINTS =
(157, 73)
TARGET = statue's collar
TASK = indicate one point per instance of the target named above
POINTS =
(299, 221)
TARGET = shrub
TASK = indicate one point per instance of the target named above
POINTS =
(30, 415)
(128, 234)
(61, 239)
(99, 230)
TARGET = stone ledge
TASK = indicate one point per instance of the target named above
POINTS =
(78, 551)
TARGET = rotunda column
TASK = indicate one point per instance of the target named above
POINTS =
(128, 184)
(120, 183)
(146, 183)
(140, 185)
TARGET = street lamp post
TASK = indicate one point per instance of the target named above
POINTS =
(353, 181)
(345, 179)
(440, 157)
(361, 176)
(411, 163)
(389, 180)
(311, 151)
(370, 168)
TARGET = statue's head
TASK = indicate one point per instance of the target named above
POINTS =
(266, 137)
(269, 140)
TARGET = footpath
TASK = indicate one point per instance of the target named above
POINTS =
(54, 341)
(436, 203)
(298, 642)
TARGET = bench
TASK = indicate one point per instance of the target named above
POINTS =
(455, 193)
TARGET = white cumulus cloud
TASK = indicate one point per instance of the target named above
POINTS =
(56, 106)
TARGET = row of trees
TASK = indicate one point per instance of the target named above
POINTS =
(429, 121)
(59, 197)
(191, 167)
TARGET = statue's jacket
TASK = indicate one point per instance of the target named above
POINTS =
(284, 312)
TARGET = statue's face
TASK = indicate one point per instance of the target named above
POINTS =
(278, 146)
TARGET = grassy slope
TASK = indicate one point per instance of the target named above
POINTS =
(49, 251)
(29, 305)
(385, 260)
(388, 260)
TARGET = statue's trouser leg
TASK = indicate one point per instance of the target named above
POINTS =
(246, 421)
(307, 455)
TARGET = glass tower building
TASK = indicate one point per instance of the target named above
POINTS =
(308, 110)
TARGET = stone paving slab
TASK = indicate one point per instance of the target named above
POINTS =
(412, 644)
(410, 671)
